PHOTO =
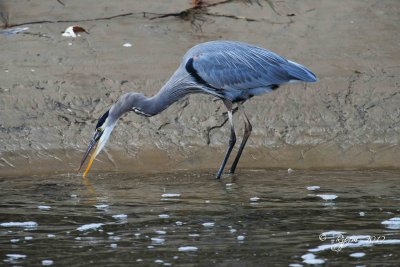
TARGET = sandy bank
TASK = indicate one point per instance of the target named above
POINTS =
(53, 89)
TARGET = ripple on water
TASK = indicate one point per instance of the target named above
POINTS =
(43, 207)
(187, 248)
(331, 234)
(393, 223)
(240, 237)
(313, 187)
(29, 224)
(120, 216)
(101, 206)
(90, 226)
(310, 258)
(47, 262)
(171, 195)
(15, 256)
(158, 240)
(208, 224)
(357, 254)
(327, 196)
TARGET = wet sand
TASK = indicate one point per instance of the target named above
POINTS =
(53, 89)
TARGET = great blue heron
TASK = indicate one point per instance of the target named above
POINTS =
(232, 71)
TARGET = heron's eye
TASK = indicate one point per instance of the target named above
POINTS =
(99, 130)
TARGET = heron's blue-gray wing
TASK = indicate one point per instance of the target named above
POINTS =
(240, 67)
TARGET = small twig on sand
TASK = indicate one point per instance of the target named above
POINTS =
(71, 21)
(209, 129)
(229, 16)
(61, 3)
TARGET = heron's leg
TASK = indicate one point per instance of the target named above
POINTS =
(232, 139)
(247, 132)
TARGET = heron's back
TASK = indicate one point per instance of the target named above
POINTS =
(234, 68)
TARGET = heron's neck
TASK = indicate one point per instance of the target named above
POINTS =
(168, 94)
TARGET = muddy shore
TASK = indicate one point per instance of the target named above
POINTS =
(53, 88)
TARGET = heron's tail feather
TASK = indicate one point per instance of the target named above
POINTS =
(299, 72)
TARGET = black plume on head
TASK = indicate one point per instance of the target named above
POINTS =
(102, 119)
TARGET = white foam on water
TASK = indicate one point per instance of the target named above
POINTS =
(327, 196)
(90, 226)
(232, 230)
(47, 262)
(295, 265)
(44, 207)
(114, 238)
(240, 237)
(29, 224)
(361, 213)
(194, 235)
(14, 240)
(73, 195)
(28, 238)
(113, 245)
(357, 254)
(313, 187)
(208, 224)
(163, 216)
(179, 223)
(160, 232)
(393, 223)
(171, 195)
(101, 206)
(187, 248)
(120, 216)
(310, 258)
(15, 256)
(51, 235)
(332, 234)
(157, 240)
(254, 199)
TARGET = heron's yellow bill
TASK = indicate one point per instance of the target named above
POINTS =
(92, 157)
(93, 145)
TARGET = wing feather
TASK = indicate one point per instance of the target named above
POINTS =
(238, 66)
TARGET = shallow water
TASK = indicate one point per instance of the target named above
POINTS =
(253, 218)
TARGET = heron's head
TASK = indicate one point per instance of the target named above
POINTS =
(104, 127)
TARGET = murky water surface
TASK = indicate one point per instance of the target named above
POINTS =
(254, 218)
